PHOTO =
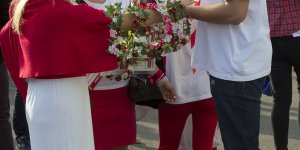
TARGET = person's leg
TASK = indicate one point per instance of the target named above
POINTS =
(294, 56)
(281, 78)
(238, 109)
(19, 119)
(204, 124)
(171, 123)
(20, 124)
(6, 140)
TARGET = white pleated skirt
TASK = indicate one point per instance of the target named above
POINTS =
(59, 115)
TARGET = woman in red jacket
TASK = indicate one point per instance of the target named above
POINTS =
(47, 48)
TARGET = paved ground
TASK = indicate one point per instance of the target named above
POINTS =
(148, 128)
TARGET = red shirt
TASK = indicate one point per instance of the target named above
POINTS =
(284, 17)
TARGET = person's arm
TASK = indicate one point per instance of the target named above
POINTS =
(166, 88)
(229, 12)
(128, 19)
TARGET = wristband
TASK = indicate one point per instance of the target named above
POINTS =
(158, 75)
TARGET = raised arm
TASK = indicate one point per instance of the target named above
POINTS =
(229, 12)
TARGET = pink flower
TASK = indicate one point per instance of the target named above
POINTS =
(168, 24)
(151, 6)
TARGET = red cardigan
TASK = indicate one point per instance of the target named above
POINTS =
(57, 39)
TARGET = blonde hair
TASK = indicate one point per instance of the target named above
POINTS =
(18, 13)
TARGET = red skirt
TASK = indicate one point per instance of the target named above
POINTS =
(113, 116)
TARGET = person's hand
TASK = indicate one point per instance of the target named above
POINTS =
(186, 3)
(127, 21)
(167, 90)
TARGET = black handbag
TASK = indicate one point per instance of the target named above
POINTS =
(143, 92)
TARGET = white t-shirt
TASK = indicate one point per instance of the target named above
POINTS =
(189, 87)
(235, 52)
(105, 83)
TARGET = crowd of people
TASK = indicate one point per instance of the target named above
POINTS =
(216, 78)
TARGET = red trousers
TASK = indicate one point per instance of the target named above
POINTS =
(172, 118)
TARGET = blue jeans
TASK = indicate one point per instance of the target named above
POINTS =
(238, 109)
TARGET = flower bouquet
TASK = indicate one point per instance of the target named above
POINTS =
(137, 48)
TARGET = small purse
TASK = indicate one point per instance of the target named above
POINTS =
(267, 87)
(143, 92)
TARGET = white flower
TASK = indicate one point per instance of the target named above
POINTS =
(110, 49)
(180, 35)
(141, 39)
(175, 27)
(119, 38)
(113, 49)
(138, 48)
(114, 19)
(168, 38)
(129, 56)
(113, 33)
